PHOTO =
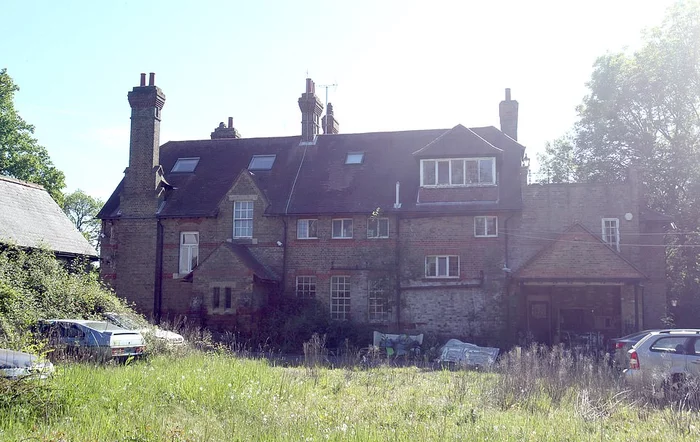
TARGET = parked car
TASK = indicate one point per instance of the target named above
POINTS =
(664, 358)
(132, 322)
(92, 339)
(17, 364)
(620, 346)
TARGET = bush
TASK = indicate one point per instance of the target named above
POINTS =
(35, 285)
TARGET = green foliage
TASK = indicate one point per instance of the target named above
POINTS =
(82, 209)
(21, 156)
(34, 285)
(642, 111)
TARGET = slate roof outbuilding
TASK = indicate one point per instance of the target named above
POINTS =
(29, 217)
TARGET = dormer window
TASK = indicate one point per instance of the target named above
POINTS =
(458, 172)
(185, 164)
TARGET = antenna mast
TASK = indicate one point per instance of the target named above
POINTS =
(327, 86)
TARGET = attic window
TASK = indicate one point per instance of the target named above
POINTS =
(262, 162)
(355, 158)
(185, 165)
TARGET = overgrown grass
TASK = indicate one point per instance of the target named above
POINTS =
(216, 396)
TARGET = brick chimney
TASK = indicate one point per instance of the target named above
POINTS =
(311, 109)
(508, 111)
(224, 131)
(330, 124)
(139, 198)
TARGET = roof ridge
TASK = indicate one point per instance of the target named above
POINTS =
(21, 182)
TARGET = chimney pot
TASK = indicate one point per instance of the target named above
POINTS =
(230, 122)
(310, 86)
(152, 79)
(507, 94)
(143, 79)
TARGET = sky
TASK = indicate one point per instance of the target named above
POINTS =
(397, 65)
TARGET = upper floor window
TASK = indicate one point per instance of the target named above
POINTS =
(185, 164)
(354, 158)
(342, 228)
(262, 162)
(306, 229)
(442, 266)
(611, 232)
(243, 219)
(378, 228)
(485, 226)
(458, 172)
(189, 251)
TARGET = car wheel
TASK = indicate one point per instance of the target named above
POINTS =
(674, 387)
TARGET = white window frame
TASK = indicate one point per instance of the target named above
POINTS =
(248, 233)
(437, 258)
(340, 298)
(307, 222)
(264, 159)
(464, 183)
(342, 228)
(355, 158)
(485, 233)
(307, 283)
(186, 251)
(377, 302)
(185, 165)
(605, 235)
(376, 234)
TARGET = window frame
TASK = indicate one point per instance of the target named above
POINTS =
(251, 219)
(450, 181)
(360, 155)
(308, 228)
(185, 160)
(262, 158)
(486, 227)
(377, 220)
(216, 298)
(335, 301)
(342, 228)
(308, 286)
(377, 306)
(188, 247)
(448, 260)
(604, 233)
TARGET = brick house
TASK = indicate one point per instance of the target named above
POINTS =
(432, 231)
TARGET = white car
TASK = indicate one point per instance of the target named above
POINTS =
(664, 358)
(17, 364)
(93, 339)
(134, 323)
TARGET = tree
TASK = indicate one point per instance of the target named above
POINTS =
(81, 208)
(643, 110)
(21, 156)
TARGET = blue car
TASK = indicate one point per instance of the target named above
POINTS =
(92, 339)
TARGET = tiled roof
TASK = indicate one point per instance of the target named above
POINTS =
(29, 217)
(578, 255)
(314, 178)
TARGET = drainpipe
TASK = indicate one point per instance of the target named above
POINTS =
(158, 282)
(398, 272)
(284, 256)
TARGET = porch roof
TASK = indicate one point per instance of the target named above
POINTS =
(578, 255)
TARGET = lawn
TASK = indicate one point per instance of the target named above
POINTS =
(220, 397)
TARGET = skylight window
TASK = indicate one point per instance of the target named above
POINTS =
(185, 165)
(355, 158)
(262, 162)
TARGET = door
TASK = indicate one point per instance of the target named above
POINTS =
(539, 320)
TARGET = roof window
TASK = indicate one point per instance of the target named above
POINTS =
(355, 158)
(262, 162)
(185, 164)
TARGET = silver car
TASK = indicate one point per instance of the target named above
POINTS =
(17, 364)
(664, 358)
